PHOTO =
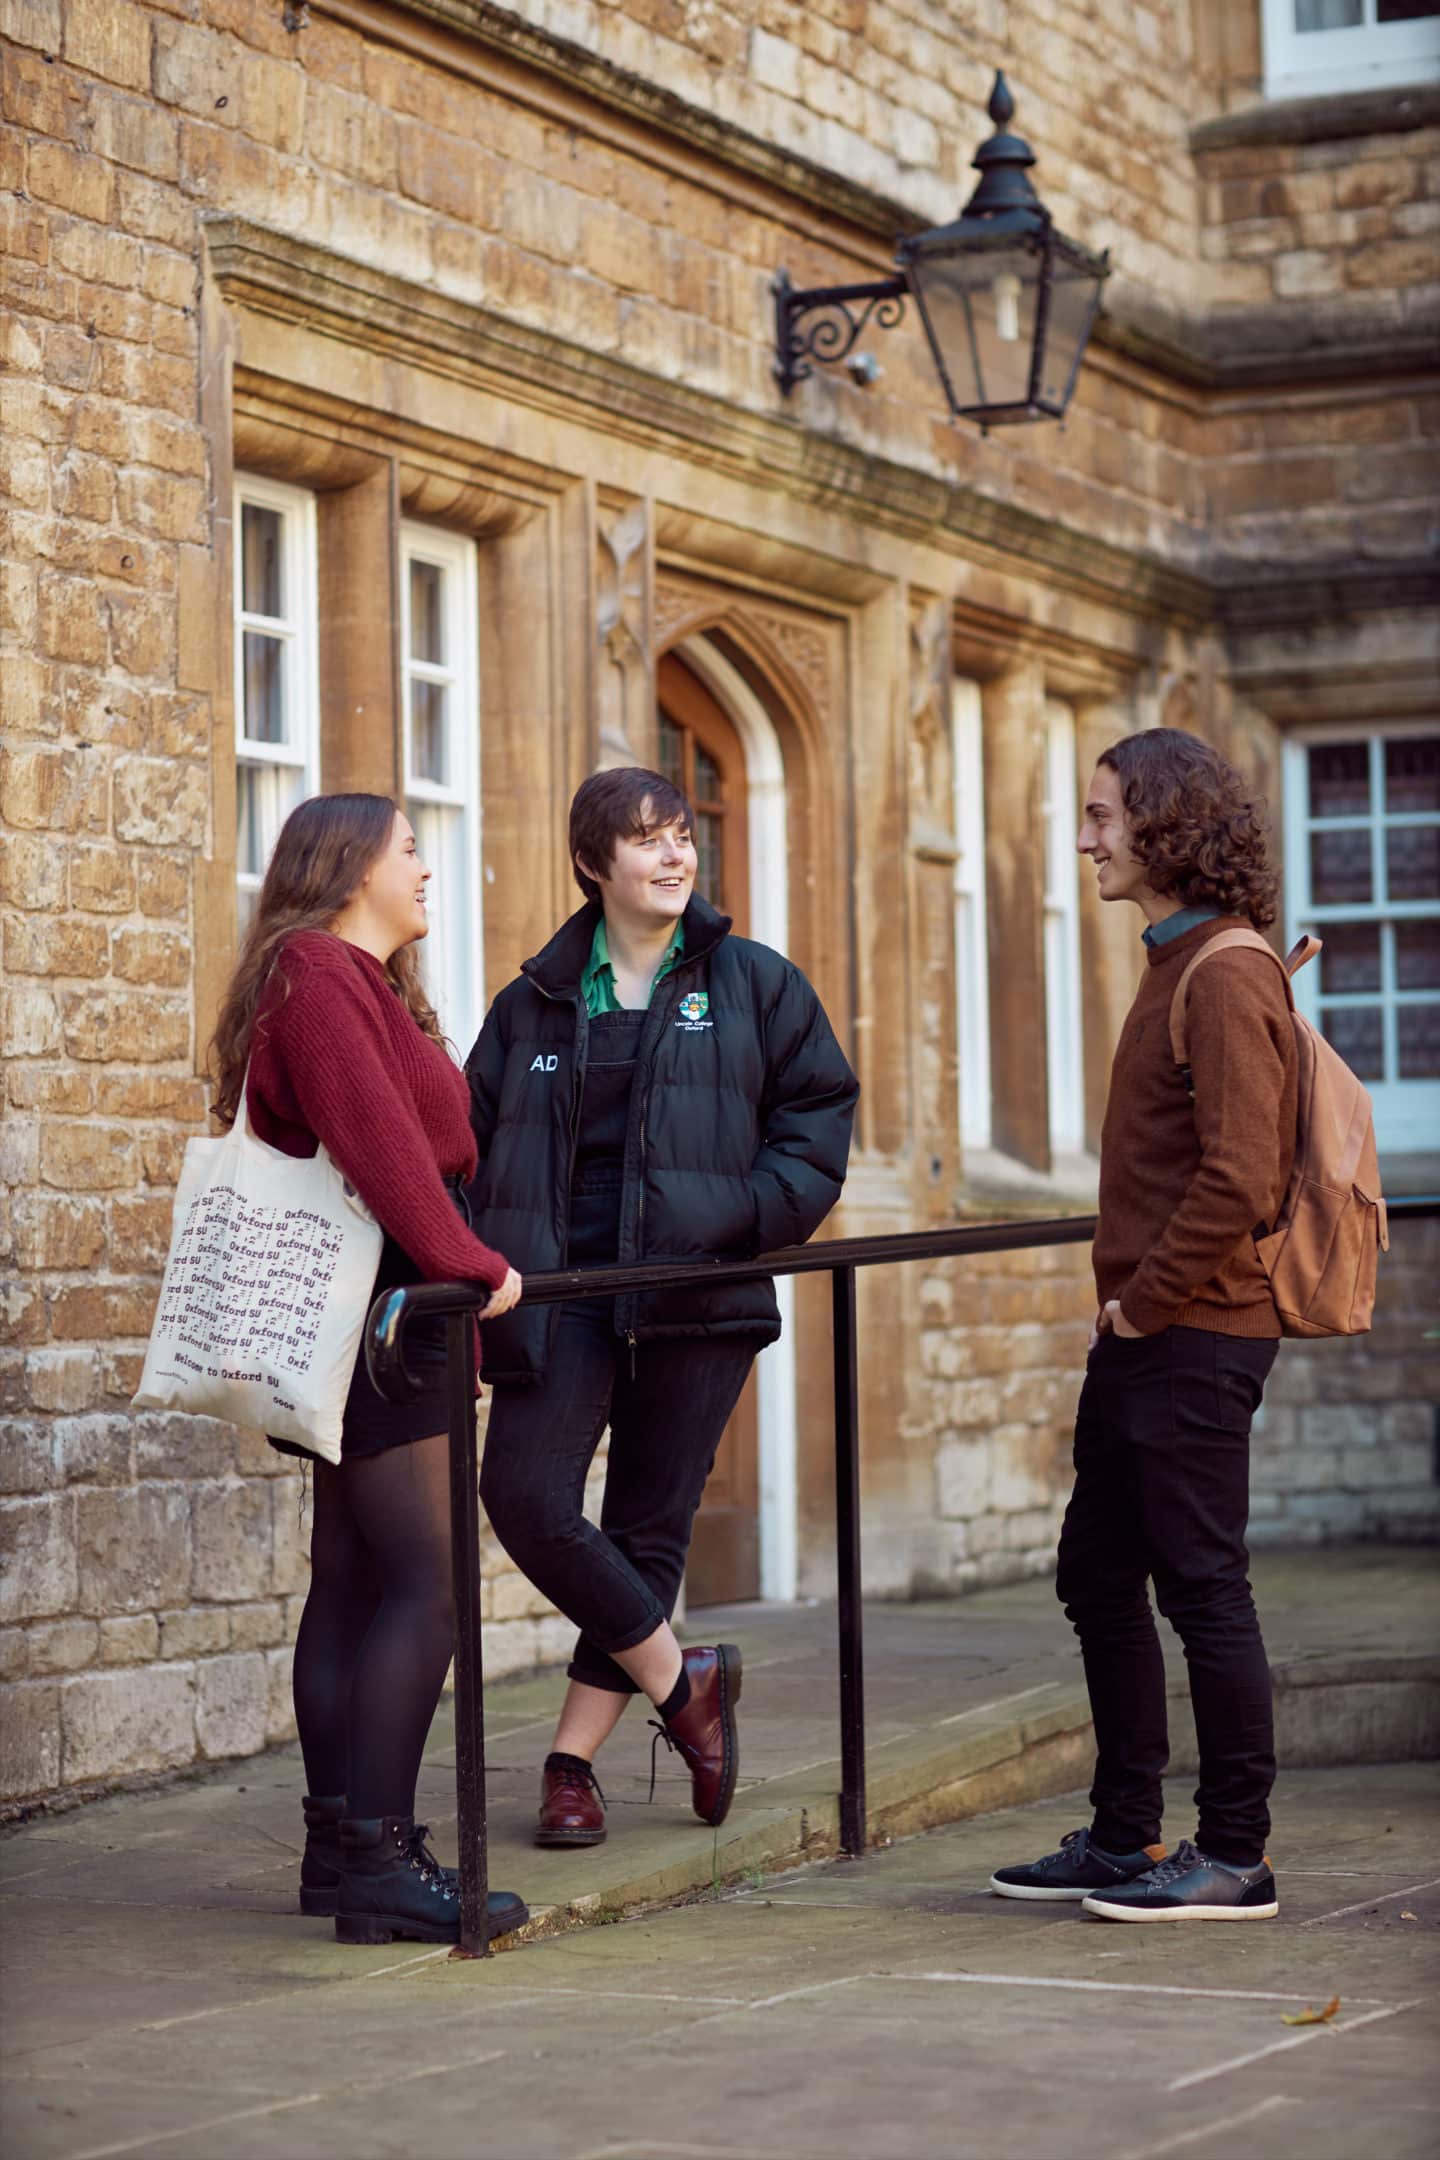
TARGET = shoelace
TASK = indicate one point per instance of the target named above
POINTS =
(432, 1874)
(1073, 1847)
(1180, 1862)
(584, 1780)
(676, 1745)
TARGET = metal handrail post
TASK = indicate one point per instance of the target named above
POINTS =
(472, 1828)
(847, 1553)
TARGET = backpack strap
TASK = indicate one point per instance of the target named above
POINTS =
(1305, 950)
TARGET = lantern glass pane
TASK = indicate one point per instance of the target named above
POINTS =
(1073, 293)
(979, 314)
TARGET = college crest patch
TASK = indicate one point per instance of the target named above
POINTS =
(693, 1010)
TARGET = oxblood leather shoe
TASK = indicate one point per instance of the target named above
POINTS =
(704, 1731)
(572, 1807)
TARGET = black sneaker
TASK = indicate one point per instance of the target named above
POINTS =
(1079, 1868)
(1189, 1886)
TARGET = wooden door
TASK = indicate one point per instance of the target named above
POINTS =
(701, 752)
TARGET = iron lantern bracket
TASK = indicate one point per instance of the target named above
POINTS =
(842, 314)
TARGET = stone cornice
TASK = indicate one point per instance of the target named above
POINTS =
(1328, 592)
(1235, 350)
(279, 275)
(293, 280)
(1336, 118)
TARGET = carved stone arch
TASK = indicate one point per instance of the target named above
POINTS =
(796, 675)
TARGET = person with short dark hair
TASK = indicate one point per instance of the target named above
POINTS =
(649, 1087)
(1194, 1161)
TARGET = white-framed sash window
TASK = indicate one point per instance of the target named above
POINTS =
(1362, 824)
(1063, 1003)
(439, 645)
(277, 690)
(972, 959)
(1318, 46)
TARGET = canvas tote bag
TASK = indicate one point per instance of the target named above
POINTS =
(272, 1264)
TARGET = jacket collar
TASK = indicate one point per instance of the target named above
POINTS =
(558, 968)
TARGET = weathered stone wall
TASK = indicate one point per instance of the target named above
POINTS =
(1290, 222)
(1003, 1349)
(1348, 1441)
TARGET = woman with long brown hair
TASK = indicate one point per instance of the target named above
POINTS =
(327, 1036)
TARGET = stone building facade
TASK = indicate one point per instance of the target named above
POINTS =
(386, 401)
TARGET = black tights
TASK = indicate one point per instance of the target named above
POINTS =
(378, 1630)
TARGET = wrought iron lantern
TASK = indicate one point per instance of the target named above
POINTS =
(1007, 303)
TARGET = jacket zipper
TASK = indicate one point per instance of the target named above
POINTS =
(640, 1214)
(577, 1096)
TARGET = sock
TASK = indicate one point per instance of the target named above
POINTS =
(676, 1700)
(556, 1761)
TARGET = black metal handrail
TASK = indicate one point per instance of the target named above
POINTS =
(393, 1311)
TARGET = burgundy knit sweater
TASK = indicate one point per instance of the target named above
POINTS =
(1182, 1183)
(339, 1060)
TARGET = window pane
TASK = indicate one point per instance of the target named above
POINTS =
(1412, 859)
(1339, 868)
(1329, 14)
(428, 748)
(1407, 10)
(707, 777)
(1417, 955)
(1357, 1033)
(707, 847)
(262, 584)
(672, 752)
(445, 953)
(1350, 959)
(427, 612)
(1418, 1027)
(264, 688)
(264, 797)
(1412, 771)
(1340, 780)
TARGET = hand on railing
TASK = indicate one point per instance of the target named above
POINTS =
(508, 1294)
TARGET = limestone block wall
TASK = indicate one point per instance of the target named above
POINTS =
(1287, 222)
(152, 1571)
(1348, 1441)
(1003, 1354)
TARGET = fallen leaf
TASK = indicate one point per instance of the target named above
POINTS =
(1310, 2016)
(1407, 1915)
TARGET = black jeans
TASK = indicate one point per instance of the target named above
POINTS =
(617, 1583)
(1162, 1489)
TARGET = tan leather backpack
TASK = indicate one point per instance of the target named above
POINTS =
(1322, 1252)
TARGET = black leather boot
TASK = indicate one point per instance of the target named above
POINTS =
(320, 1867)
(391, 1884)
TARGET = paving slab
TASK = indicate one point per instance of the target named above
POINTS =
(887, 2007)
(972, 1704)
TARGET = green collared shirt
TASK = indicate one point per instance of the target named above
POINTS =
(597, 983)
(1173, 926)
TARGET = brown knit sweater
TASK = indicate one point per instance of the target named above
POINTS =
(1183, 1184)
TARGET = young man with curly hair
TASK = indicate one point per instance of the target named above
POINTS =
(1193, 1162)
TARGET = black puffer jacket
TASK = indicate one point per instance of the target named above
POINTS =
(738, 1135)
